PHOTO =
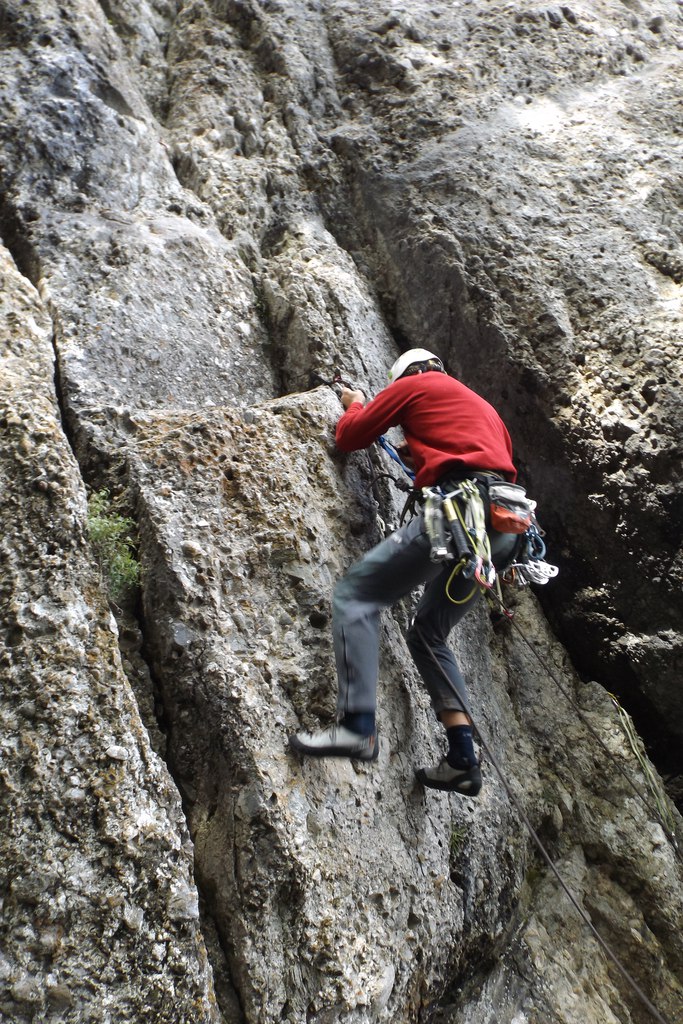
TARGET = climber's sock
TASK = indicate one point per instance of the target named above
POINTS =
(362, 722)
(460, 747)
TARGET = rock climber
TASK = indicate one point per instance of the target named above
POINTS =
(451, 434)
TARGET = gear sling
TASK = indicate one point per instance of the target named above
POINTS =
(456, 523)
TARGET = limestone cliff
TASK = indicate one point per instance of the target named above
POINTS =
(206, 208)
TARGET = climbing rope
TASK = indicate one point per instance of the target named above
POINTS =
(665, 816)
(630, 980)
(653, 811)
(538, 571)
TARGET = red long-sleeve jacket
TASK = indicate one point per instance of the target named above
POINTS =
(447, 427)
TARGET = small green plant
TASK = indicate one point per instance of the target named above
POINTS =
(457, 840)
(114, 547)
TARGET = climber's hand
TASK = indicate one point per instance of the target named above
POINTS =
(404, 451)
(348, 396)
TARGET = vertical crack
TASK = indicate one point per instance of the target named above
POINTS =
(14, 234)
(103, 468)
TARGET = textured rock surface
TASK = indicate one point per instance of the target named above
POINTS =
(219, 200)
(99, 908)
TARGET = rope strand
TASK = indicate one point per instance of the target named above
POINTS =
(656, 814)
(542, 850)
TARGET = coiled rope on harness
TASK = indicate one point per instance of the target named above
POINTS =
(515, 801)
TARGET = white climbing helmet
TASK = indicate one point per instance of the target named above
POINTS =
(413, 355)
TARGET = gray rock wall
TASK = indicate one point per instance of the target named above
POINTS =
(210, 207)
(99, 907)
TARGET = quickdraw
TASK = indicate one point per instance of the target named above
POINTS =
(462, 512)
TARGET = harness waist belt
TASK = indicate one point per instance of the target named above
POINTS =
(450, 480)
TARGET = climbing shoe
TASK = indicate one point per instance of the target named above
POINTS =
(453, 780)
(338, 741)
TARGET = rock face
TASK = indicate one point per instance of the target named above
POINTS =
(207, 209)
(100, 910)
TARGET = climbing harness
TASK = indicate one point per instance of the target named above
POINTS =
(455, 522)
(466, 517)
(515, 801)
(469, 544)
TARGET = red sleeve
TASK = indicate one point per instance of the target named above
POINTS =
(361, 425)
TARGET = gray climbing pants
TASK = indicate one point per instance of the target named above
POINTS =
(381, 578)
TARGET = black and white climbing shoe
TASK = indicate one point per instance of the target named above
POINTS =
(338, 741)
(453, 780)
